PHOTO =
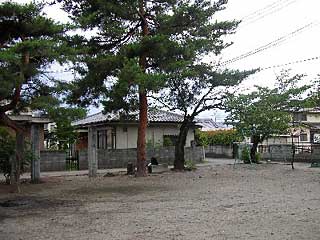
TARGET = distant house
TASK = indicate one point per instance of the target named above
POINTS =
(308, 125)
(116, 131)
(305, 129)
(208, 124)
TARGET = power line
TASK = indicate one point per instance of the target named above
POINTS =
(291, 63)
(265, 15)
(252, 18)
(263, 9)
(274, 43)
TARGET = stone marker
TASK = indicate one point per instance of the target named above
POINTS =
(35, 145)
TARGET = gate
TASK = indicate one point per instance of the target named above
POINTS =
(72, 160)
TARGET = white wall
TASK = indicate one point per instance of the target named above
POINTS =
(288, 139)
(313, 117)
(126, 139)
(154, 135)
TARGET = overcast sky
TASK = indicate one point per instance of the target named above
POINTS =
(265, 21)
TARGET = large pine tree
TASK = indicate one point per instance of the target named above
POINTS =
(135, 47)
(29, 42)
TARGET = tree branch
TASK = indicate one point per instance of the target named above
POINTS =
(14, 101)
(194, 113)
(163, 103)
(17, 91)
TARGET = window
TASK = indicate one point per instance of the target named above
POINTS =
(303, 137)
(298, 117)
(106, 139)
(303, 117)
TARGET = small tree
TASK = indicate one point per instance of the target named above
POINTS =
(64, 133)
(194, 89)
(265, 112)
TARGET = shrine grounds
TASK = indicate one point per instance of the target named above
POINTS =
(217, 201)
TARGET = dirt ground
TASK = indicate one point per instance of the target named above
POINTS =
(266, 201)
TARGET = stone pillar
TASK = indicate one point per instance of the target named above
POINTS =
(92, 152)
(35, 144)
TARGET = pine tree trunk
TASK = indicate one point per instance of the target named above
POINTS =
(179, 147)
(143, 104)
(141, 144)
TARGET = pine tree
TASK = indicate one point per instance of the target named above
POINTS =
(137, 46)
(29, 42)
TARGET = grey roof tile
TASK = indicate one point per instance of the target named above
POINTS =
(154, 115)
(208, 124)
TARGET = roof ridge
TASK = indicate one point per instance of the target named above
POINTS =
(87, 117)
(164, 111)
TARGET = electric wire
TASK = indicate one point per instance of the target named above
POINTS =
(269, 45)
(291, 63)
(263, 14)
(263, 9)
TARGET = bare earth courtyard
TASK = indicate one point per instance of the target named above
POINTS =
(217, 201)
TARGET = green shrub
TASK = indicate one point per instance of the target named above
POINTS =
(257, 157)
(190, 165)
(245, 155)
(149, 143)
(218, 137)
(167, 142)
(7, 151)
(7, 148)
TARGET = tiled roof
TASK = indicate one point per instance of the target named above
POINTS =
(154, 115)
(309, 110)
(208, 124)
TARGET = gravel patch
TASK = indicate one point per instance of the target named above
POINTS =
(266, 201)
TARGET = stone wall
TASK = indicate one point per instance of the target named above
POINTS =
(219, 151)
(284, 152)
(56, 160)
(52, 160)
(120, 157)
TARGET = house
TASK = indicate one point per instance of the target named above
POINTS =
(208, 124)
(308, 125)
(305, 129)
(119, 131)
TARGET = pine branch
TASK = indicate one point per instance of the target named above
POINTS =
(14, 101)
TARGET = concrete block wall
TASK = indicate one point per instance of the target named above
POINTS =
(163, 154)
(120, 157)
(52, 160)
(56, 160)
(219, 151)
(315, 153)
(116, 158)
(83, 160)
(195, 154)
(283, 152)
